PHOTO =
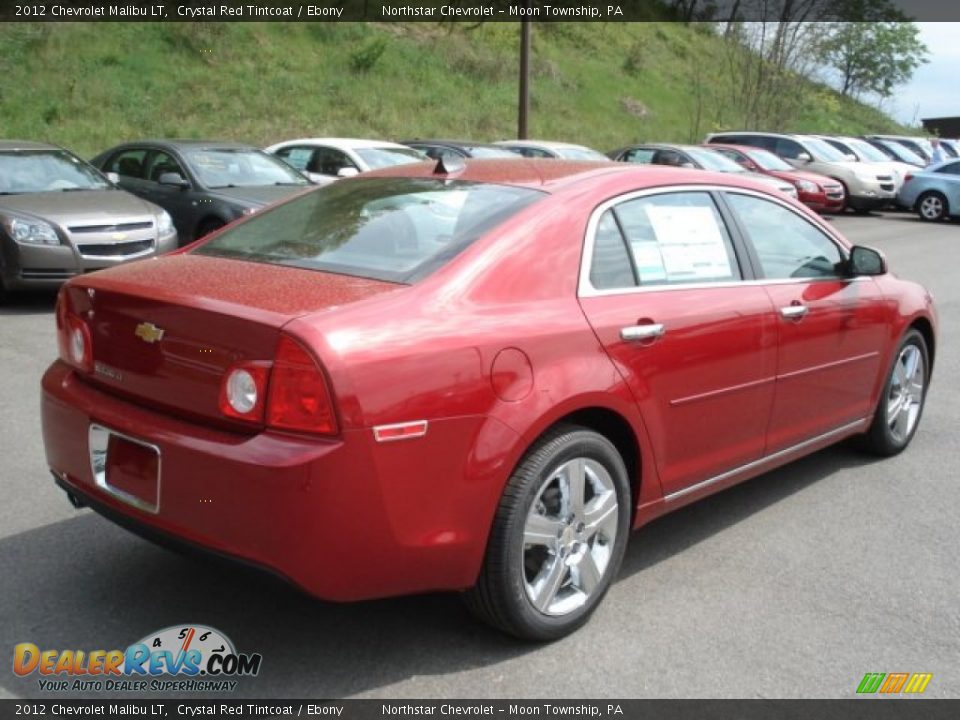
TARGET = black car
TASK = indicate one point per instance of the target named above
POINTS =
(435, 149)
(202, 184)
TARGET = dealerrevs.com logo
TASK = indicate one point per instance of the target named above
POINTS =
(178, 658)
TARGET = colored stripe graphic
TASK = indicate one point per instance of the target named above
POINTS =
(918, 683)
(894, 683)
(871, 682)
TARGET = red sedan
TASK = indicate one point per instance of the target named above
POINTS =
(476, 378)
(818, 192)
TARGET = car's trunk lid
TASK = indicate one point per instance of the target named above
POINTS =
(164, 332)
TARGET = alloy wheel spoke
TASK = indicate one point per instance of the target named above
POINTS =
(573, 487)
(911, 364)
(546, 590)
(542, 530)
(588, 575)
(601, 511)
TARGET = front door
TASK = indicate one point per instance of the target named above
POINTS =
(832, 328)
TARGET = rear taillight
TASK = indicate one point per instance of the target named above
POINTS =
(73, 337)
(243, 393)
(288, 394)
(907, 178)
(299, 398)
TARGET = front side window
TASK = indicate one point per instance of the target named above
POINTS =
(296, 156)
(786, 245)
(162, 164)
(644, 156)
(381, 157)
(36, 171)
(671, 239)
(329, 161)
(394, 229)
(240, 167)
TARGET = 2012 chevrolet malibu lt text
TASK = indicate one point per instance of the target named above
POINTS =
(477, 376)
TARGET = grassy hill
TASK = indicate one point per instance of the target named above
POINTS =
(90, 85)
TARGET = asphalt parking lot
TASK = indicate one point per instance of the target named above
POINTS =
(794, 584)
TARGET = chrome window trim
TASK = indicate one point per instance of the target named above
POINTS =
(585, 288)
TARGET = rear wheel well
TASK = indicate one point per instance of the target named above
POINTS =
(926, 329)
(207, 225)
(617, 430)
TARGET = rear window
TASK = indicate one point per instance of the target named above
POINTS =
(393, 229)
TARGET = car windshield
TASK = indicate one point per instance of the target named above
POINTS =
(824, 150)
(580, 153)
(866, 151)
(903, 153)
(381, 157)
(491, 152)
(712, 160)
(767, 160)
(37, 171)
(393, 229)
(240, 167)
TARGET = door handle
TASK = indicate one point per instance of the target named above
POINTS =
(642, 332)
(793, 312)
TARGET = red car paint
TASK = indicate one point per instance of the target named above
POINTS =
(490, 350)
(821, 200)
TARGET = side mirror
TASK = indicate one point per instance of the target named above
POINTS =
(346, 172)
(866, 261)
(173, 180)
(687, 165)
(804, 157)
(851, 157)
(113, 177)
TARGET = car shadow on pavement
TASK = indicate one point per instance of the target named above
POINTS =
(84, 583)
(29, 303)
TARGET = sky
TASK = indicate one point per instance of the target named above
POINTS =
(933, 90)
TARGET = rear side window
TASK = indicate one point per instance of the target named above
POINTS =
(951, 169)
(639, 155)
(129, 163)
(671, 239)
(394, 229)
(786, 245)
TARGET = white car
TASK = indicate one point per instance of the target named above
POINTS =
(864, 152)
(324, 160)
(550, 149)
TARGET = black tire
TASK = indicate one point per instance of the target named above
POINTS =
(882, 439)
(932, 206)
(207, 227)
(500, 596)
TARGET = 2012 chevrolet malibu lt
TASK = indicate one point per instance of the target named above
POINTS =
(476, 376)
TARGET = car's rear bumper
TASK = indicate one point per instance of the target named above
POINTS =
(344, 518)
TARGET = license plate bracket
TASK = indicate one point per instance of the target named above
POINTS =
(125, 467)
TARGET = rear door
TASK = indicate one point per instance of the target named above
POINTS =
(832, 328)
(663, 286)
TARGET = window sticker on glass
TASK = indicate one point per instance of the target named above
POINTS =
(690, 245)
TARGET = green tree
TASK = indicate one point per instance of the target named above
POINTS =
(873, 57)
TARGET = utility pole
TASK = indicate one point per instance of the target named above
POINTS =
(524, 105)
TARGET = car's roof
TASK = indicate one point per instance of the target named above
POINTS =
(754, 132)
(539, 143)
(179, 144)
(348, 143)
(25, 145)
(552, 175)
(450, 143)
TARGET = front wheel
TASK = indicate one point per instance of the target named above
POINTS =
(901, 404)
(558, 537)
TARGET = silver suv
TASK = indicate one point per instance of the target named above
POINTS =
(60, 217)
(866, 188)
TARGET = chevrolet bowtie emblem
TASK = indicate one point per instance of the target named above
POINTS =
(148, 332)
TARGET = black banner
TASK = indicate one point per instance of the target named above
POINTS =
(478, 10)
(862, 709)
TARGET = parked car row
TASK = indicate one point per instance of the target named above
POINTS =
(61, 217)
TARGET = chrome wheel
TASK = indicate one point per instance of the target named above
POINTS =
(905, 398)
(931, 207)
(569, 536)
